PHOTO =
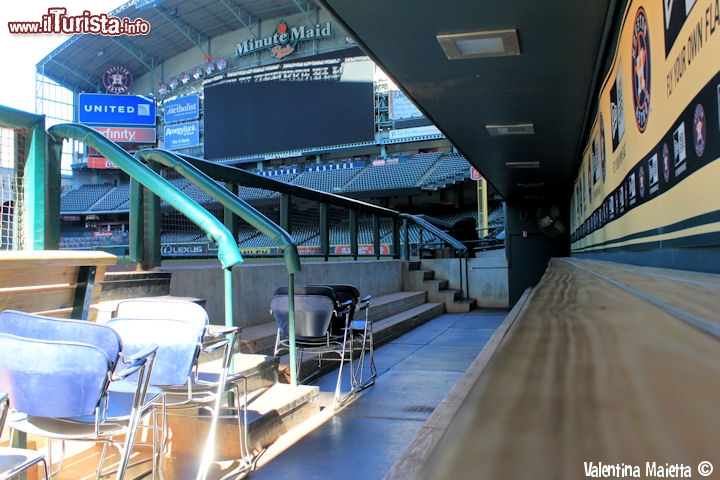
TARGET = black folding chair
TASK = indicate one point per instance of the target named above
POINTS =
(315, 309)
(360, 335)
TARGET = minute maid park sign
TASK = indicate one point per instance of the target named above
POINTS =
(283, 41)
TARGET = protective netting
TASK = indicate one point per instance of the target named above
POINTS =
(180, 237)
(12, 160)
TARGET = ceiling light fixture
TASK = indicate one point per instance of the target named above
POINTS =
(493, 43)
(530, 164)
(511, 129)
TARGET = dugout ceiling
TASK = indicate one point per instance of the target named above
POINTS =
(564, 46)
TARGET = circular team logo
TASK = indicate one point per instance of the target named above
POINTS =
(666, 162)
(699, 130)
(117, 80)
(641, 70)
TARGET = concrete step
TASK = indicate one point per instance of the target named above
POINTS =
(260, 339)
(437, 289)
(278, 410)
(463, 305)
(414, 279)
(393, 303)
(390, 328)
(270, 415)
(445, 295)
(413, 264)
(384, 330)
(260, 370)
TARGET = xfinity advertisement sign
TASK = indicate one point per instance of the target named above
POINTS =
(98, 108)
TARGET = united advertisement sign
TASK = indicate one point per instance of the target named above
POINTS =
(104, 109)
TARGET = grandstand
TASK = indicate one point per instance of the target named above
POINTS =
(83, 199)
(406, 175)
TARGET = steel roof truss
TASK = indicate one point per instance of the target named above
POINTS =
(193, 35)
(247, 24)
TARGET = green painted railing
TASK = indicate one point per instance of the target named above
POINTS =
(245, 211)
(228, 251)
(229, 200)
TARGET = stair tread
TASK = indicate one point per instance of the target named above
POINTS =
(282, 397)
(269, 329)
(392, 319)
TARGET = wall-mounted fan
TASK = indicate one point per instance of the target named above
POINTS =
(548, 221)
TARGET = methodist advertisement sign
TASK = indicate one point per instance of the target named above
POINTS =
(105, 109)
(182, 135)
(182, 109)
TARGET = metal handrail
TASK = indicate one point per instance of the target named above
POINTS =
(460, 249)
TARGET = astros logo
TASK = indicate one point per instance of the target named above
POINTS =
(117, 80)
(641, 70)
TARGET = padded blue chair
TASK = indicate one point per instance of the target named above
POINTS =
(183, 333)
(14, 461)
(68, 380)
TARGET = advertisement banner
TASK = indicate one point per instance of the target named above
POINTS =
(99, 108)
(128, 134)
(182, 109)
(184, 249)
(404, 133)
(656, 127)
(100, 162)
(182, 135)
(401, 107)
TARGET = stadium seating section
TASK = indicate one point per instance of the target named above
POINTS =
(425, 171)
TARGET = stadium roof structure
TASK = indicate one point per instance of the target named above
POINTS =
(176, 26)
(521, 117)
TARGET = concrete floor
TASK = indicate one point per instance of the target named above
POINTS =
(415, 373)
